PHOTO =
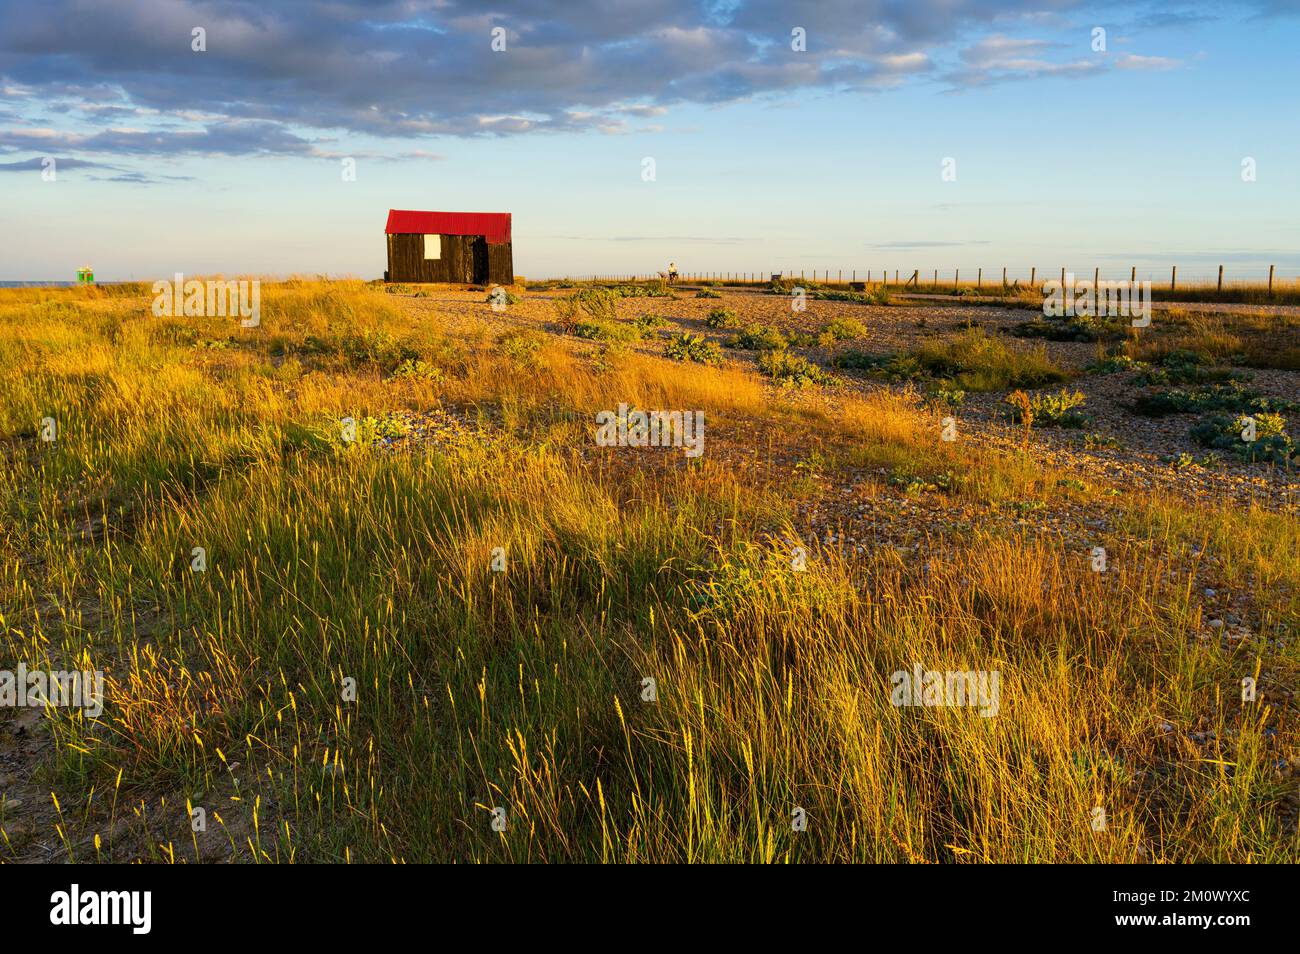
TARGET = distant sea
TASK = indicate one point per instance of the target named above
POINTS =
(36, 284)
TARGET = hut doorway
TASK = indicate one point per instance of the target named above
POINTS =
(480, 260)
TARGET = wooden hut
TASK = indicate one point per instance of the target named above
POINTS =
(471, 248)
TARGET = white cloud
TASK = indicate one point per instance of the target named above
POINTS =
(1132, 61)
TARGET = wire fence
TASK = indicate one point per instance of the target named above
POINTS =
(934, 277)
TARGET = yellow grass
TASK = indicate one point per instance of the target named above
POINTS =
(350, 677)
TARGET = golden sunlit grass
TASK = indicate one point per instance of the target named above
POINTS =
(1285, 291)
(349, 678)
(1254, 340)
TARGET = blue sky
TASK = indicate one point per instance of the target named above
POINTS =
(229, 160)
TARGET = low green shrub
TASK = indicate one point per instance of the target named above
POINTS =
(1271, 443)
(1050, 410)
(697, 348)
(791, 370)
(758, 338)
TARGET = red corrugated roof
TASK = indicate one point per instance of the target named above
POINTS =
(495, 226)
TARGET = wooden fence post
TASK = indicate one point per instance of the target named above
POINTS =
(1270, 281)
(956, 276)
(1096, 282)
(1220, 288)
(979, 279)
(1004, 276)
(1173, 277)
(1033, 274)
(1133, 276)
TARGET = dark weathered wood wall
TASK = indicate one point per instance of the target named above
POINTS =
(465, 258)
(501, 264)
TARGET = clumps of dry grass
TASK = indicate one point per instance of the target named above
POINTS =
(383, 648)
(594, 303)
(975, 361)
(970, 361)
(1253, 341)
(521, 346)
(1232, 292)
